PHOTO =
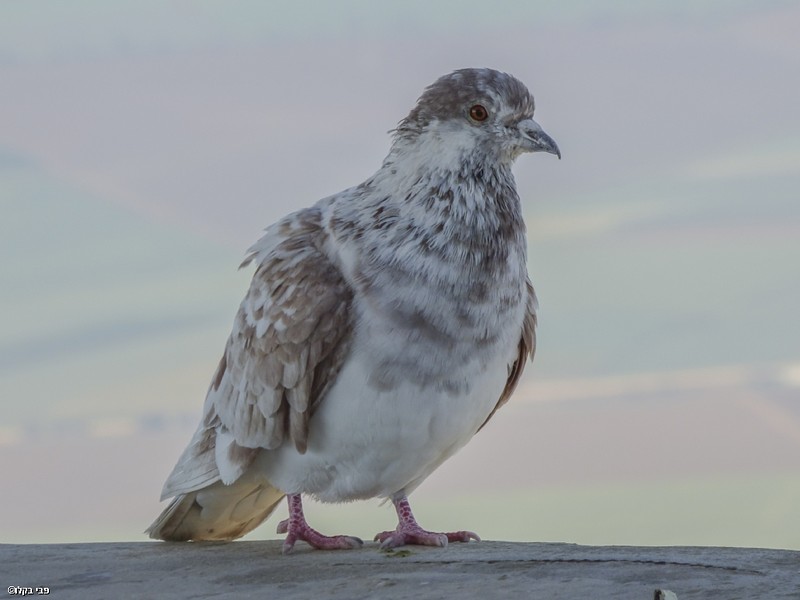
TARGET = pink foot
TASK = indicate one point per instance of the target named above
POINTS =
(409, 532)
(297, 529)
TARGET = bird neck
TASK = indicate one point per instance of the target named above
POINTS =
(469, 218)
(459, 196)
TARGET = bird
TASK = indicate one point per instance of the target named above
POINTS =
(383, 328)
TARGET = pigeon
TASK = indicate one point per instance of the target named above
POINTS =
(383, 327)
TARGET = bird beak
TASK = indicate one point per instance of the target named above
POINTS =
(534, 139)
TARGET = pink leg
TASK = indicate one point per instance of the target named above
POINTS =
(409, 532)
(297, 529)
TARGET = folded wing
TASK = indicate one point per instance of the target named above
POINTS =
(288, 342)
(525, 350)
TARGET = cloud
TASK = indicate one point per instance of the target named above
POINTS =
(591, 221)
(643, 384)
(790, 375)
(751, 162)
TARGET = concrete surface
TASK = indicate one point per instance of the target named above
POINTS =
(476, 570)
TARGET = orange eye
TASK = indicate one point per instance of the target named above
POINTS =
(478, 113)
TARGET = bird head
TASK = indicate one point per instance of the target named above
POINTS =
(473, 114)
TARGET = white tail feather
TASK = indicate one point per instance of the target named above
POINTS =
(217, 512)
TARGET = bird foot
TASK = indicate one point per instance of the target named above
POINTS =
(296, 529)
(417, 536)
(409, 532)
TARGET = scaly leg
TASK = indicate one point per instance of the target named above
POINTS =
(297, 529)
(409, 532)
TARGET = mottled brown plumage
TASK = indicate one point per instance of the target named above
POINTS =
(383, 327)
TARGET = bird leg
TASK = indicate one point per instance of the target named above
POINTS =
(297, 529)
(409, 532)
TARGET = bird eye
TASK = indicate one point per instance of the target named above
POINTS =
(478, 113)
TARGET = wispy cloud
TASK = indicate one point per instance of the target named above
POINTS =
(749, 162)
(646, 384)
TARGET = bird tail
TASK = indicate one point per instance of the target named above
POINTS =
(217, 512)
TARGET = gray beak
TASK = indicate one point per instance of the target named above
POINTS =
(534, 139)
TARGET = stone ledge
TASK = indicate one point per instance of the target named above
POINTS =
(475, 570)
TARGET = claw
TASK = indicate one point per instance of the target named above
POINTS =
(409, 532)
(297, 529)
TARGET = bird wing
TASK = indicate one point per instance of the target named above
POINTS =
(288, 342)
(525, 351)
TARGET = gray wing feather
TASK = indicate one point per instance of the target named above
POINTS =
(526, 351)
(288, 342)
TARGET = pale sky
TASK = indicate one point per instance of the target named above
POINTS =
(145, 145)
